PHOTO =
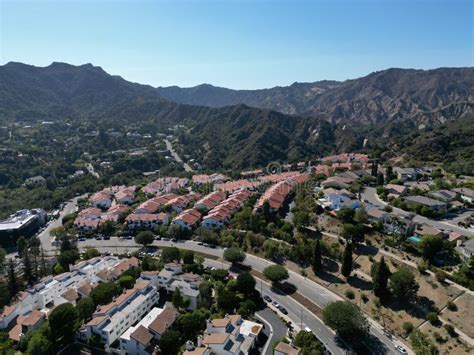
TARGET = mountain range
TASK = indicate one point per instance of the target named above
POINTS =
(243, 128)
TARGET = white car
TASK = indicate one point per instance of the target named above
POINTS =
(401, 349)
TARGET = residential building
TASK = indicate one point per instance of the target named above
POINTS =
(110, 321)
(405, 174)
(443, 195)
(466, 249)
(35, 181)
(210, 201)
(465, 194)
(136, 221)
(396, 190)
(231, 335)
(433, 205)
(139, 339)
(334, 199)
(83, 224)
(101, 199)
(188, 219)
(66, 287)
(125, 196)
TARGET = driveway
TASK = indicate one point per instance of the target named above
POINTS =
(274, 328)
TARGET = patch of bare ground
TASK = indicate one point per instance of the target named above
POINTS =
(444, 342)
(463, 317)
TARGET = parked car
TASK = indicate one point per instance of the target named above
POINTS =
(267, 298)
(282, 309)
(276, 304)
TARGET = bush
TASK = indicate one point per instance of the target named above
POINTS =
(432, 317)
(349, 294)
(364, 297)
(450, 330)
(452, 306)
(441, 276)
(408, 327)
(438, 337)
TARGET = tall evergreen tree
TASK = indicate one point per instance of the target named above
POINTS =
(43, 267)
(317, 265)
(347, 261)
(380, 274)
(12, 280)
(27, 270)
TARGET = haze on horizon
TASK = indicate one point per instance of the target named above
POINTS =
(239, 44)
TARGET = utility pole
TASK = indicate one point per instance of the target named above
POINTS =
(301, 319)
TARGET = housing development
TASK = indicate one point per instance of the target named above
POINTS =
(174, 295)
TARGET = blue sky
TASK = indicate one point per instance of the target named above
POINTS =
(239, 44)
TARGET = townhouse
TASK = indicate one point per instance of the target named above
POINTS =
(136, 221)
(286, 349)
(179, 203)
(221, 214)
(203, 179)
(114, 212)
(465, 194)
(139, 339)
(188, 219)
(50, 292)
(433, 205)
(210, 201)
(101, 199)
(165, 185)
(171, 277)
(126, 195)
(233, 186)
(395, 190)
(230, 335)
(275, 195)
(110, 321)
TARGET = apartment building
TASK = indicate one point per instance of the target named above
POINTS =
(110, 321)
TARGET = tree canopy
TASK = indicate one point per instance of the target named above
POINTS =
(346, 319)
(276, 273)
(234, 255)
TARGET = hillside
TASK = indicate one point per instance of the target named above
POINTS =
(378, 109)
(417, 96)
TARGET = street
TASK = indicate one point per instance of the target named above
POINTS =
(175, 155)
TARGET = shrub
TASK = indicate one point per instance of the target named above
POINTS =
(452, 306)
(349, 294)
(441, 276)
(408, 327)
(450, 330)
(432, 317)
(439, 338)
(364, 297)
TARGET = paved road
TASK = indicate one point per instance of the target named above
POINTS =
(275, 328)
(370, 194)
(175, 155)
(45, 236)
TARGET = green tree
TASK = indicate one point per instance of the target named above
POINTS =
(188, 257)
(421, 344)
(63, 323)
(190, 324)
(126, 281)
(170, 254)
(107, 228)
(21, 245)
(346, 319)
(205, 294)
(276, 273)
(104, 293)
(246, 283)
(144, 237)
(346, 267)
(90, 253)
(380, 180)
(3, 255)
(170, 342)
(345, 214)
(403, 284)
(308, 343)
(38, 344)
(85, 308)
(430, 246)
(68, 257)
(177, 299)
(226, 300)
(234, 255)
(380, 274)
(27, 268)
(13, 285)
(247, 309)
(316, 260)
(360, 215)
